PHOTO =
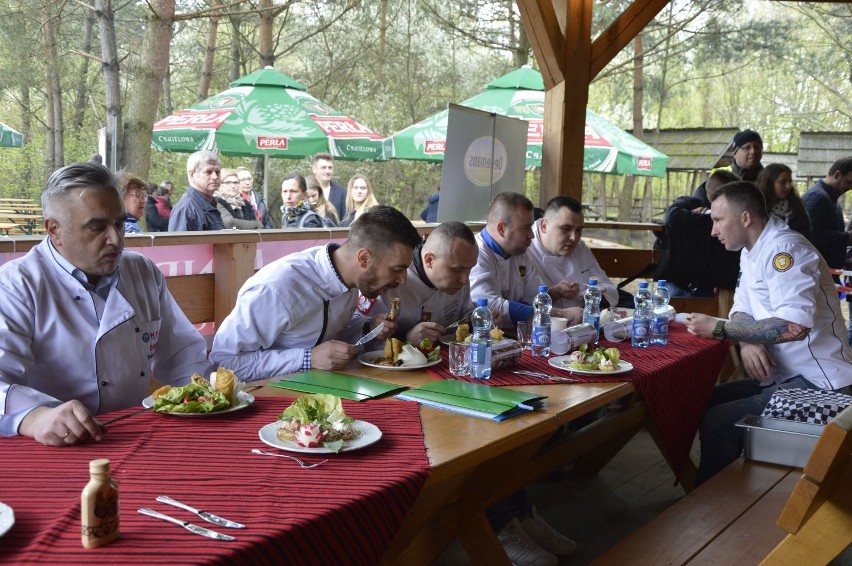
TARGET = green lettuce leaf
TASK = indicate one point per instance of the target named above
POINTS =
(317, 407)
(172, 401)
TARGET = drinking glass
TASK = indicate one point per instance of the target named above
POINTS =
(525, 333)
(458, 357)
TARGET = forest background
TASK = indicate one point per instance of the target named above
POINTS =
(72, 67)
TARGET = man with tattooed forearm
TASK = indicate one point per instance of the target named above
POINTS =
(786, 317)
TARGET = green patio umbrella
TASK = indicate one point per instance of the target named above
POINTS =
(266, 113)
(10, 137)
(520, 94)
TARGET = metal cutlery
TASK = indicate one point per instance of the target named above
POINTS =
(209, 517)
(125, 416)
(370, 335)
(203, 531)
(545, 376)
(302, 463)
(456, 323)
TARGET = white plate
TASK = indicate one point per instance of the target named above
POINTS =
(369, 359)
(561, 362)
(7, 518)
(370, 434)
(244, 400)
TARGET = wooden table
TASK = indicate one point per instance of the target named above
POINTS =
(476, 462)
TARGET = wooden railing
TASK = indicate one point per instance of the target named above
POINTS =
(210, 297)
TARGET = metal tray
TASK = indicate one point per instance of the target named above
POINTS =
(778, 441)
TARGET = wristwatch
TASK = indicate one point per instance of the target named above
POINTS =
(719, 331)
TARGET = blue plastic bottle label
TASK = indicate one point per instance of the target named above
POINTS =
(640, 328)
(477, 354)
(661, 325)
(541, 336)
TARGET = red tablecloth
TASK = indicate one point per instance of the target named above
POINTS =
(346, 510)
(675, 381)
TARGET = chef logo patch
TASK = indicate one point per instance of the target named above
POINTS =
(522, 270)
(782, 261)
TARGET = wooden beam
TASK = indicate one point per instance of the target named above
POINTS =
(545, 32)
(565, 109)
(621, 32)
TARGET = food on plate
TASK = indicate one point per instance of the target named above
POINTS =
(398, 353)
(317, 419)
(603, 359)
(197, 397)
(463, 334)
(160, 392)
(224, 380)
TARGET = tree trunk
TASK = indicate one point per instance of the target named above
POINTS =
(264, 34)
(82, 86)
(209, 55)
(168, 108)
(143, 99)
(625, 201)
(236, 51)
(55, 147)
(112, 85)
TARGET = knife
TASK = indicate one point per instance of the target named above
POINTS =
(209, 517)
(370, 335)
(187, 525)
(456, 323)
(546, 376)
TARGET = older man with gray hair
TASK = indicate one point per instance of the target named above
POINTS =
(83, 323)
(196, 210)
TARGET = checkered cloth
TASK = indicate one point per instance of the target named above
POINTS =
(806, 405)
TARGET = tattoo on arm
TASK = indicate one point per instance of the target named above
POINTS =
(744, 328)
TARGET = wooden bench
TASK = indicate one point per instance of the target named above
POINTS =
(730, 519)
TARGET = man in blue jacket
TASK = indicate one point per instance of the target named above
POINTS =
(196, 210)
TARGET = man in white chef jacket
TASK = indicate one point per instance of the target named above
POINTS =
(84, 324)
(563, 261)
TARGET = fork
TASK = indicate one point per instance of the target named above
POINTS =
(300, 462)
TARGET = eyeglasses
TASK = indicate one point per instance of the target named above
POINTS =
(138, 195)
(231, 183)
(246, 179)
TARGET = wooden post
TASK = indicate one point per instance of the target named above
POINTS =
(233, 265)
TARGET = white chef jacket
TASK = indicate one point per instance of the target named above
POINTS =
(503, 280)
(784, 276)
(280, 313)
(59, 341)
(579, 267)
(419, 302)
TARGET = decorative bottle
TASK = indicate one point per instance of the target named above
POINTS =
(99, 506)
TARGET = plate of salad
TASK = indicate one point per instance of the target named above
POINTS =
(600, 361)
(197, 399)
(316, 424)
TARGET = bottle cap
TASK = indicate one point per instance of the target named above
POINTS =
(481, 302)
(99, 466)
(593, 282)
(643, 285)
(661, 283)
(542, 288)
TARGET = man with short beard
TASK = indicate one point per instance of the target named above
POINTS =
(295, 313)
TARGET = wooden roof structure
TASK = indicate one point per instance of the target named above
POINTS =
(560, 32)
(818, 150)
(693, 149)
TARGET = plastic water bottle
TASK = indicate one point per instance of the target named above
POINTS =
(571, 338)
(642, 317)
(592, 307)
(480, 342)
(541, 323)
(660, 326)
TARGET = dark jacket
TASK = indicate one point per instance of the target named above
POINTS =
(194, 213)
(830, 239)
(337, 197)
(241, 218)
(153, 218)
(750, 175)
(430, 213)
(693, 258)
(302, 216)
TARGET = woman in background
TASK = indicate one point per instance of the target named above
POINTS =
(236, 211)
(782, 198)
(296, 212)
(158, 209)
(323, 207)
(359, 198)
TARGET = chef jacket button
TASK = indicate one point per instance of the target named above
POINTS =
(142, 374)
(137, 330)
(77, 298)
(103, 382)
